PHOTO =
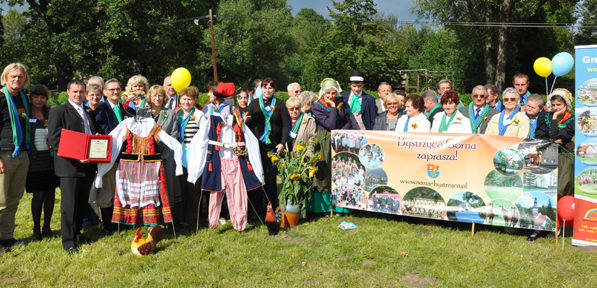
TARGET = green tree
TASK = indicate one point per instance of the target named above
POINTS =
(588, 13)
(496, 43)
(249, 48)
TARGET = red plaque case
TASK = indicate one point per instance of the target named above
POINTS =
(76, 145)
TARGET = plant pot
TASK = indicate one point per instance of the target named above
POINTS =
(290, 216)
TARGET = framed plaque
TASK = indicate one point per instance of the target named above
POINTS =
(80, 146)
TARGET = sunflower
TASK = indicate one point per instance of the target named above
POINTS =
(295, 176)
(313, 172)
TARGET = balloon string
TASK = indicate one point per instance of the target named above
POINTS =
(552, 85)
(546, 87)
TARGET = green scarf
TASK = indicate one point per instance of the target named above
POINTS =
(17, 135)
(443, 126)
(433, 109)
(355, 104)
(118, 113)
(475, 123)
(267, 113)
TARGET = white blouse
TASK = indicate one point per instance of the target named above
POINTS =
(460, 124)
(41, 139)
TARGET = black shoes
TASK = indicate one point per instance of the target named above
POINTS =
(12, 243)
(72, 250)
(47, 232)
(36, 235)
(82, 240)
(108, 231)
(534, 236)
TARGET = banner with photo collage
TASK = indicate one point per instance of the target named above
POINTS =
(493, 180)
(585, 164)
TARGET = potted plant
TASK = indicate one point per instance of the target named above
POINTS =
(296, 170)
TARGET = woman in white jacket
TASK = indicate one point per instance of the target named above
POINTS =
(414, 120)
(451, 120)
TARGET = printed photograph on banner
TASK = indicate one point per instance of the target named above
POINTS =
(586, 183)
(587, 151)
(375, 177)
(352, 141)
(508, 161)
(501, 212)
(500, 186)
(347, 169)
(537, 211)
(586, 120)
(424, 202)
(587, 92)
(371, 155)
(544, 183)
(540, 156)
(385, 199)
(349, 196)
(467, 207)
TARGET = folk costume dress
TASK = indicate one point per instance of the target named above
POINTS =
(227, 154)
(327, 119)
(141, 188)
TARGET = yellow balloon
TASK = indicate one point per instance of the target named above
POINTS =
(181, 78)
(543, 66)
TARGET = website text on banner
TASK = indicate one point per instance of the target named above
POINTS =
(585, 164)
(501, 181)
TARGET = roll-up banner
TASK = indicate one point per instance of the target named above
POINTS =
(585, 164)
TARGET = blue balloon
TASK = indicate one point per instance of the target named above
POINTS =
(562, 64)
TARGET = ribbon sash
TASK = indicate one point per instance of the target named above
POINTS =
(443, 125)
(15, 123)
(433, 109)
(501, 121)
(476, 122)
(267, 113)
(293, 133)
(182, 123)
(406, 124)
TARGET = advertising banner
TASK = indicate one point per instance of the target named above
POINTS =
(493, 180)
(585, 164)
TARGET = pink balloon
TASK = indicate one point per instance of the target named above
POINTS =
(566, 208)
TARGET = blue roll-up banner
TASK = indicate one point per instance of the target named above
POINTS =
(585, 167)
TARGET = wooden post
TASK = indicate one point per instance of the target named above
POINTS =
(473, 229)
(213, 46)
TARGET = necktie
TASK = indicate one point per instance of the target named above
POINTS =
(118, 113)
(478, 112)
(85, 121)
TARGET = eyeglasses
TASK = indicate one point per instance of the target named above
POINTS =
(392, 103)
(509, 100)
(158, 96)
(114, 89)
(293, 109)
(479, 96)
(297, 91)
(242, 98)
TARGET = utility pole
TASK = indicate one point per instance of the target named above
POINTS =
(213, 45)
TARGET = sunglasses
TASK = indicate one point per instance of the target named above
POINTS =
(392, 103)
(293, 109)
(509, 100)
(479, 96)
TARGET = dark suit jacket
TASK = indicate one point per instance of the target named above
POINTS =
(490, 113)
(66, 117)
(381, 122)
(105, 119)
(368, 110)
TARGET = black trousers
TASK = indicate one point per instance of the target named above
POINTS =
(270, 173)
(75, 194)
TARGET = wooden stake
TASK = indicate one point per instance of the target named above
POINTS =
(213, 46)
(473, 229)
(557, 226)
(331, 210)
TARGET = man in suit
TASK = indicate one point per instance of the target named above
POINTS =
(493, 97)
(76, 176)
(173, 98)
(362, 105)
(478, 112)
(432, 106)
(384, 89)
(107, 116)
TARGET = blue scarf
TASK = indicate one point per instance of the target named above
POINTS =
(406, 125)
(498, 106)
(15, 121)
(267, 113)
(533, 126)
(501, 123)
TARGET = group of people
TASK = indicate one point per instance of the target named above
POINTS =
(347, 172)
(167, 150)
(384, 203)
(425, 207)
(349, 196)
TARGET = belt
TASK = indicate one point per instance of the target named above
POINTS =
(226, 145)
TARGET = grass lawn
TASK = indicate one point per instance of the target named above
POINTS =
(370, 256)
(588, 160)
(510, 193)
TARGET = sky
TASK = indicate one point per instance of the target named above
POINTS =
(399, 8)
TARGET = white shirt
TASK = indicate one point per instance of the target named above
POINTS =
(80, 109)
(423, 124)
(460, 124)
